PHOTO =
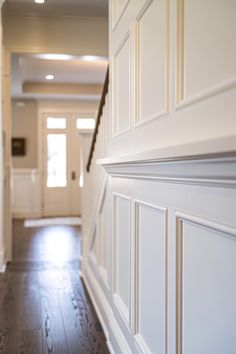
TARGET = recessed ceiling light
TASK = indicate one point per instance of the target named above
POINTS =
(49, 77)
(52, 56)
(39, 1)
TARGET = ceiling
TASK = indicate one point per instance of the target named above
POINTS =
(81, 8)
(79, 78)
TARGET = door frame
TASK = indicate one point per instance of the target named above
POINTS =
(42, 114)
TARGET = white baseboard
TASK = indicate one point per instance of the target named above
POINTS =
(2, 262)
(3, 269)
(115, 340)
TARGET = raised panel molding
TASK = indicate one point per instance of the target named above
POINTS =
(121, 258)
(98, 238)
(121, 90)
(214, 90)
(104, 240)
(118, 9)
(93, 247)
(95, 213)
(150, 294)
(185, 39)
(205, 282)
(152, 71)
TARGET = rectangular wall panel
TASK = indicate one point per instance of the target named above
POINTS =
(119, 7)
(151, 275)
(121, 254)
(94, 246)
(26, 201)
(152, 60)
(104, 239)
(206, 288)
(121, 88)
(209, 52)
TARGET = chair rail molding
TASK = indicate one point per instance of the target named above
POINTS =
(212, 169)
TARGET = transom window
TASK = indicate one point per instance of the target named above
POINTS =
(56, 123)
(85, 123)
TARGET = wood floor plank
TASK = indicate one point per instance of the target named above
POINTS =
(53, 331)
(44, 308)
(10, 301)
(30, 307)
(80, 317)
(9, 342)
(31, 342)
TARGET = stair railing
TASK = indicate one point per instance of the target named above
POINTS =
(99, 115)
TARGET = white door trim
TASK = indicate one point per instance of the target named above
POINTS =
(42, 113)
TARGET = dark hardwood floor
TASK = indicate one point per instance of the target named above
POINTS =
(44, 307)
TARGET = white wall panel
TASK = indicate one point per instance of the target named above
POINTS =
(209, 53)
(152, 60)
(94, 246)
(173, 59)
(207, 290)
(151, 278)
(121, 88)
(119, 7)
(121, 254)
(26, 201)
(104, 239)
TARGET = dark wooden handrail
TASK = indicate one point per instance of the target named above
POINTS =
(99, 115)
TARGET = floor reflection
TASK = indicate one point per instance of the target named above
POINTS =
(44, 307)
(57, 244)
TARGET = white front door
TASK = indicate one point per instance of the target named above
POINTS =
(61, 166)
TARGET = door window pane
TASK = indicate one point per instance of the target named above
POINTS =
(56, 160)
(56, 123)
(85, 123)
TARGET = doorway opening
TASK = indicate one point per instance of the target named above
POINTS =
(49, 116)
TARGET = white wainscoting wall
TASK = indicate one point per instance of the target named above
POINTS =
(170, 255)
(26, 196)
(159, 243)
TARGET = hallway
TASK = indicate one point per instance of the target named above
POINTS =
(44, 307)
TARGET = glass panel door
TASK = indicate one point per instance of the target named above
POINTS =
(56, 160)
(61, 166)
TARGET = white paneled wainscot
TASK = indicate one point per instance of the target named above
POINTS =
(26, 197)
(159, 225)
(171, 263)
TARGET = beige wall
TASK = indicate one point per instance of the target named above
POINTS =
(60, 35)
(68, 106)
(24, 125)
